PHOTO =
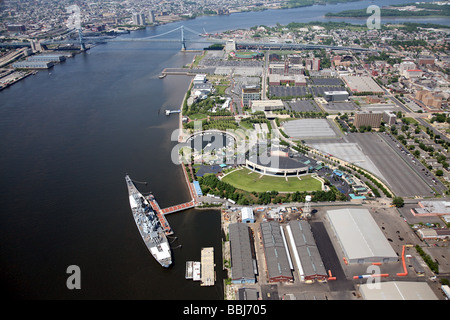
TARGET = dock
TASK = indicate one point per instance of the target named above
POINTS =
(193, 270)
(189, 269)
(168, 112)
(208, 275)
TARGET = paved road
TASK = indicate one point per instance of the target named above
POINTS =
(330, 258)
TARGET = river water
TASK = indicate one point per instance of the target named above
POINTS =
(68, 137)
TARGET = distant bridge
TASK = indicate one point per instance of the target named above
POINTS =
(82, 41)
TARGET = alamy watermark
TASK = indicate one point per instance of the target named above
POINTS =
(374, 21)
(74, 280)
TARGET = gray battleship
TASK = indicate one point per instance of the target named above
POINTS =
(149, 226)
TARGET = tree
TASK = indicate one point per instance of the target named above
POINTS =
(439, 173)
(398, 202)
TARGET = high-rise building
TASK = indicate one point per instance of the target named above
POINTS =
(313, 64)
(139, 19)
(230, 46)
(389, 117)
(151, 16)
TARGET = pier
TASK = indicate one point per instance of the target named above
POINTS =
(178, 207)
(208, 275)
(168, 112)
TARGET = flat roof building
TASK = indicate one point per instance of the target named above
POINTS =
(336, 95)
(243, 262)
(33, 65)
(397, 290)
(247, 215)
(199, 79)
(361, 84)
(368, 118)
(390, 118)
(48, 58)
(278, 263)
(266, 105)
(250, 93)
(280, 79)
(431, 208)
(306, 255)
(361, 239)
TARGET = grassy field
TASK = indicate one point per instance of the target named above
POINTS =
(250, 181)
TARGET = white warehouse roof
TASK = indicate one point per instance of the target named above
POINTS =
(360, 237)
(398, 290)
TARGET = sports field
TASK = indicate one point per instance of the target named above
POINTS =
(250, 181)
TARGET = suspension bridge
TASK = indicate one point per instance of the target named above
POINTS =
(82, 41)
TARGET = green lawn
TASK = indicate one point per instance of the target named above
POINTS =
(244, 180)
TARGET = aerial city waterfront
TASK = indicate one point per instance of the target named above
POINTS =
(234, 150)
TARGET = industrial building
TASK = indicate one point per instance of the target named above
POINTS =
(431, 208)
(436, 233)
(47, 58)
(199, 79)
(33, 65)
(247, 215)
(336, 95)
(306, 255)
(278, 264)
(397, 290)
(361, 84)
(368, 118)
(243, 260)
(286, 68)
(360, 238)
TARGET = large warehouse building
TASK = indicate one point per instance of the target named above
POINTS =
(305, 252)
(243, 262)
(397, 290)
(278, 264)
(360, 237)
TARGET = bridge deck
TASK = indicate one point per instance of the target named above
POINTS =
(178, 207)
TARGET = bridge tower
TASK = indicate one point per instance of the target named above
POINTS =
(183, 41)
(82, 44)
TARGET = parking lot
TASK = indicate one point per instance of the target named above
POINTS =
(319, 91)
(284, 91)
(415, 164)
(304, 128)
(304, 106)
(325, 82)
(340, 107)
(401, 177)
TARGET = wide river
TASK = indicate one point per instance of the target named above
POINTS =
(68, 137)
